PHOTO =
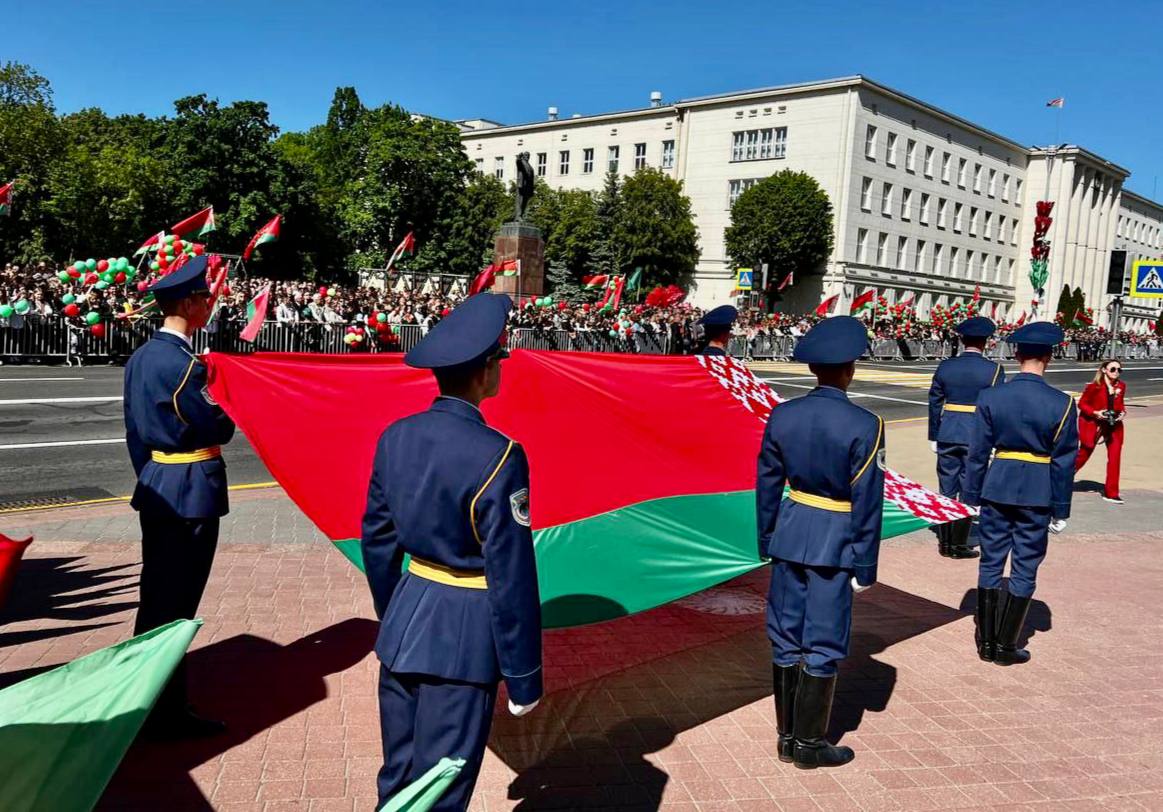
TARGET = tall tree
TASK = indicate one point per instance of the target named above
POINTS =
(655, 230)
(785, 221)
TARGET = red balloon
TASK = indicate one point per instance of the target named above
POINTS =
(142, 286)
(98, 330)
(637, 308)
(586, 307)
(445, 311)
(120, 278)
(72, 311)
(91, 279)
(163, 263)
(102, 265)
(562, 305)
(371, 320)
(74, 273)
(178, 245)
(199, 249)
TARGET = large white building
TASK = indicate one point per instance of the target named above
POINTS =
(925, 204)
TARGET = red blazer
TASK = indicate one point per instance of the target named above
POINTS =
(1090, 407)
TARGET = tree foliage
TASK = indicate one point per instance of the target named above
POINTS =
(785, 221)
(655, 230)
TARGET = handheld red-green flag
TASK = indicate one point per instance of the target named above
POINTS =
(150, 243)
(866, 299)
(825, 306)
(483, 280)
(406, 246)
(268, 233)
(595, 281)
(510, 267)
(199, 224)
(6, 197)
(63, 733)
(635, 542)
(256, 314)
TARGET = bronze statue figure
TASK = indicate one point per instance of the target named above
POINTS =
(525, 185)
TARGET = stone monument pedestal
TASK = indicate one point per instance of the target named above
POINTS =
(521, 241)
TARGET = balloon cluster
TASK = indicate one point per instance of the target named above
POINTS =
(386, 333)
(86, 274)
(622, 327)
(172, 252)
(355, 336)
(541, 301)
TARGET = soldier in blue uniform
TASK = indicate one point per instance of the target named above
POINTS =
(174, 430)
(453, 494)
(952, 402)
(1032, 431)
(824, 540)
(717, 329)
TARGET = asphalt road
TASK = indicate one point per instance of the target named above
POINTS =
(61, 432)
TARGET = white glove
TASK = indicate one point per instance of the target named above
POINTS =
(521, 710)
(1057, 525)
(933, 446)
(857, 587)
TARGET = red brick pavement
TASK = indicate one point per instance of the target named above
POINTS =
(671, 708)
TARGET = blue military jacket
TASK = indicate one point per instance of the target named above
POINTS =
(822, 445)
(1025, 415)
(958, 381)
(168, 408)
(453, 493)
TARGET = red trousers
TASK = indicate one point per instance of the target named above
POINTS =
(1088, 436)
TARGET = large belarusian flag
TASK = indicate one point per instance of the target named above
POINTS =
(199, 224)
(616, 533)
(6, 197)
(63, 733)
(268, 233)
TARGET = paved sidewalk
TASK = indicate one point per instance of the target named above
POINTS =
(671, 708)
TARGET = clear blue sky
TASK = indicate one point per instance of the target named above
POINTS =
(994, 63)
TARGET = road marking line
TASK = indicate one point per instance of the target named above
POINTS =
(250, 486)
(61, 444)
(858, 394)
(39, 401)
(37, 380)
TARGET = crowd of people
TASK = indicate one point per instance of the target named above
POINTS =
(304, 302)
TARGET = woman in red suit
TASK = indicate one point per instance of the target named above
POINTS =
(1100, 417)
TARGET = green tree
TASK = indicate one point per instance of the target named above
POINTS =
(605, 257)
(655, 230)
(568, 219)
(785, 221)
(1066, 305)
(1078, 299)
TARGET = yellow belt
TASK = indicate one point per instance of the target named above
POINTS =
(469, 579)
(201, 455)
(959, 407)
(821, 502)
(1024, 456)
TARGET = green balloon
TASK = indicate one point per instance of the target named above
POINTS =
(381, 317)
(90, 264)
(68, 298)
(108, 277)
(122, 263)
(129, 274)
(22, 306)
(64, 276)
(101, 285)
(153, 266)
(79, 265)
(613, 334)
(170, 238)
(5, 311)
(92, 318)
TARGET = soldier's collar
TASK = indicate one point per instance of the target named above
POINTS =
(185, 339)
(447, 403)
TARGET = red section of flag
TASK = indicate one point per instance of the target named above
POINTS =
(258, 316)
(149, 243)
(268, 233)
(483, 281)
(1022, 320)
(787, 280)
(11, 551)
(406, 246)
(993, 311)
(196, 224)
(617, 300)
(6, 196)
(595, 280)
(652, 396)
(825, 307)
(863, 300)
(1059, 102)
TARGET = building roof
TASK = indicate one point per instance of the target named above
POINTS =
(1144, 201)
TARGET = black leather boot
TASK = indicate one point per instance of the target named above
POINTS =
(813, 709)
(1012, 616)
(784, 679)
(943, 540)
(986, 633)
(958, 535)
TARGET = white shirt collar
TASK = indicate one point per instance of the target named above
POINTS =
(971, 349)
(185, 338)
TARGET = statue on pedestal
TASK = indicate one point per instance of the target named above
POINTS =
(525, 186)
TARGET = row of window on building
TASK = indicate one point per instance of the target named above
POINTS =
(950, 261)
(1138, 231)
(986, 180)
(918, 206)
(613, 160)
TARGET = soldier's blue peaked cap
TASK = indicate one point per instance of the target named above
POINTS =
(1038, 337)
(185, 281)
(977, 327)
(721, 316)
(467, 336)
(833, 341)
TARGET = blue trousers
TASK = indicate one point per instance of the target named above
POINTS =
(422, 720)
(1014, 532)
(809, 615)
(951, 468)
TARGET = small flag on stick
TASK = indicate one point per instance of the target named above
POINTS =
(268, 233)
(1058, 102)
(256, 314)
(199, 224)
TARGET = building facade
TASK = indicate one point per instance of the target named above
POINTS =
(927, 206)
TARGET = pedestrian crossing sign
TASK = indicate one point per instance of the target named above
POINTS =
(744, 278)
(1147, 278)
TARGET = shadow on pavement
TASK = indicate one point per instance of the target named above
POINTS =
(253, 684)
(64, 589)
(587, 747)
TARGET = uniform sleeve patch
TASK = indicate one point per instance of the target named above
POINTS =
(519, 502)
(881, 459)
(207, 396)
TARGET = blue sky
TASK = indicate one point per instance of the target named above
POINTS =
(995, 63)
